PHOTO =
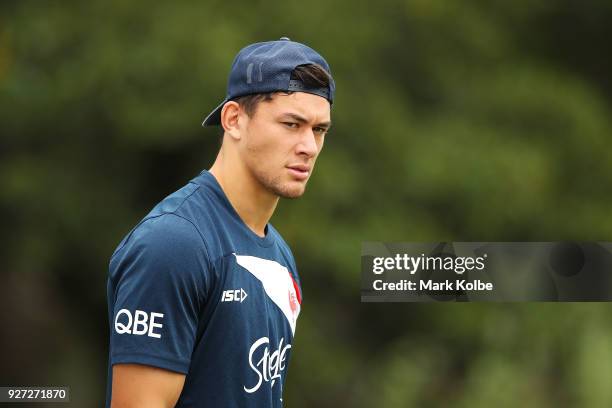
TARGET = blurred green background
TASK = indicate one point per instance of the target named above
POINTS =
(465, 121)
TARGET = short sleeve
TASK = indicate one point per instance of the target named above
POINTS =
(158, 280)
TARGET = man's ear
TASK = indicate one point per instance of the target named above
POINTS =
(230, 119)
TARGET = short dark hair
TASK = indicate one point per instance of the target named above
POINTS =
(311, 75)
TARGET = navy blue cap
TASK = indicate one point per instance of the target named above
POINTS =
(266, 67)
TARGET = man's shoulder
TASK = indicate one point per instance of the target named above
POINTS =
(168, 221)
(277, 236)
(186, 213)
(282, 244)
(168, 227)
(176, 202)
(162, 233)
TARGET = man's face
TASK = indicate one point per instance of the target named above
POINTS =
(282, 140)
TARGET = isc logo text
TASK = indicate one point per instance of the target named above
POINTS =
(233, 295)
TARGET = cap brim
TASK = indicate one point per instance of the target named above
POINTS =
(214, 117)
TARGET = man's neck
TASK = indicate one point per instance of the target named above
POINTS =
(254, 204)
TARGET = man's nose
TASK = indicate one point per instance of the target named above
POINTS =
(308, 143)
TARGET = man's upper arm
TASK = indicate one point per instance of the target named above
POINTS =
(136, 386)
(160, 280)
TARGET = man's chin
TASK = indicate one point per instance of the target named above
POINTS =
(293, 196)
(290, 190)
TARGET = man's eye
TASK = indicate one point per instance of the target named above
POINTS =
(290, 124)
(320, 130)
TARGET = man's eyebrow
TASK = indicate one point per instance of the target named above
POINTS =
(302, 119)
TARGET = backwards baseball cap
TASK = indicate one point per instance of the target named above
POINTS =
(266, 67)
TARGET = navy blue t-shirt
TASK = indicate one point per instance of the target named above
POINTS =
(193, 290)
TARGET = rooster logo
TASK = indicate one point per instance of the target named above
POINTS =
(293, 303)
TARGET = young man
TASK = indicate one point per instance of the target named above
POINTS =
(203, 294)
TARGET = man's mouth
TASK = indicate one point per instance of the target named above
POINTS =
(299, 171)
